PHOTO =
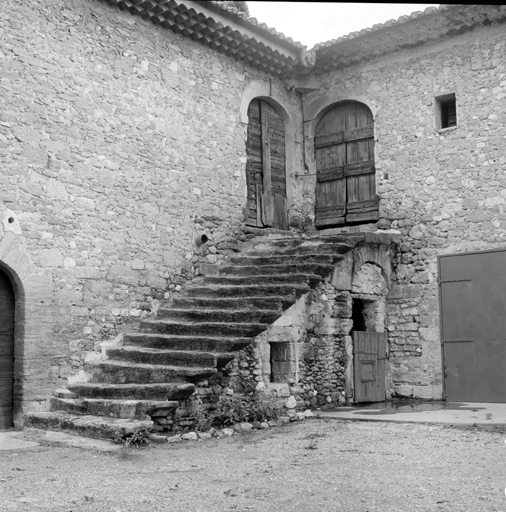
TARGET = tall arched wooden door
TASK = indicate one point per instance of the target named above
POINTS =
(345, 181)
(265, 167)
(6, 351)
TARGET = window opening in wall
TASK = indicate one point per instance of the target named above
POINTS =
(446, 111)
(357, 315)
(282, 361)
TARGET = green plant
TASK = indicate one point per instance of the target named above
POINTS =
(256, 406)
(139, 438)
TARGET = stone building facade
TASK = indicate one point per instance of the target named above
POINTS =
(123, 141)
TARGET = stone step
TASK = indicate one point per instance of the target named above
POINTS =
(124, 372)
(161, 392)
(272, 290)
(286, 259)
(181, 342)
(190, 358)
(321, 269)
(273, 303)
(127, 409)
(203, 328)
(301, 247)
(264, 316)
(264, 279)
(84, 425)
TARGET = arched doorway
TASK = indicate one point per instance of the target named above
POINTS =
(6, 351)
(265, 167)
(346, 186)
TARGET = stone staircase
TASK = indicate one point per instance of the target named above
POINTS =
(192, 337)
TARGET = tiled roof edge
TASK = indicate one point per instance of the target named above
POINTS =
(235, 13)
(382, 26)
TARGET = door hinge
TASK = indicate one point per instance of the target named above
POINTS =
(441, 281)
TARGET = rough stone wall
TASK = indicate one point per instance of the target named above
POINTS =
(443, 190)
(120, 142)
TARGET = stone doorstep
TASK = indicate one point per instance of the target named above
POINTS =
(161, 392)
(321, 269)
(38, 436)
(85, 425)
(125, 409)
(182, 342)
(226, 315)
(124, 372)
(160, 356)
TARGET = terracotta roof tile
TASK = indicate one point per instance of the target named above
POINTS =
(381, 26)
(234, 11)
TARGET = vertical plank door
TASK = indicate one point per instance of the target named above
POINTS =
(266, 167)
(369, 355)
(346, 186)
(6, 351)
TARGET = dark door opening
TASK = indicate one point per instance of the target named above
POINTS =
(369, 355)
(6, 351)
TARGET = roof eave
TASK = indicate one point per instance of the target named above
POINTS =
(220, 30)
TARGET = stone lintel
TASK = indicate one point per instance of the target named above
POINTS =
(404, 291)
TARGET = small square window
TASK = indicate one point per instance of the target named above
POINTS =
(446, 111)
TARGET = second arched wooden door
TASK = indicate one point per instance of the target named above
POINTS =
(345, 186)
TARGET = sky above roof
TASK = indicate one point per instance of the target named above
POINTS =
(311, 23)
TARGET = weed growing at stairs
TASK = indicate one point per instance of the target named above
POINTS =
(251, 407)
(139, 438)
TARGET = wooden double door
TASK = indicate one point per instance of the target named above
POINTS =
(346, 186)
(6, 351)
(265, 167)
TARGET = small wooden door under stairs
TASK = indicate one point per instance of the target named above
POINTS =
(369, 355)
(266, 167)
(6, 351)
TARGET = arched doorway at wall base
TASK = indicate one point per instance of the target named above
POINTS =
(265, 167)
(6, 352)
(34, 342)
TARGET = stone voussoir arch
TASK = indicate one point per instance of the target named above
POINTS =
(316, 109)
(34, 304)
(277, 97)
(378, 255)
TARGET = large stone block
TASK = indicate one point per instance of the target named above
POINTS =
(51, 258)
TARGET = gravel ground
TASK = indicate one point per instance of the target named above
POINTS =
(319, 465)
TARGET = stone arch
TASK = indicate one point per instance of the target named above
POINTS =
(316, 109)
(33, 292)
(368, 278)
(276, 96)
(378, 255)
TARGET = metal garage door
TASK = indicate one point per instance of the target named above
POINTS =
(473, 310)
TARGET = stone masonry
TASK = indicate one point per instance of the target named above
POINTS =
(122, 143)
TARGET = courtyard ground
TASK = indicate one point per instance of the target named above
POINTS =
(322, 465)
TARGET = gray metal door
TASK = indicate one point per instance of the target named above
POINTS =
(473, 326)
